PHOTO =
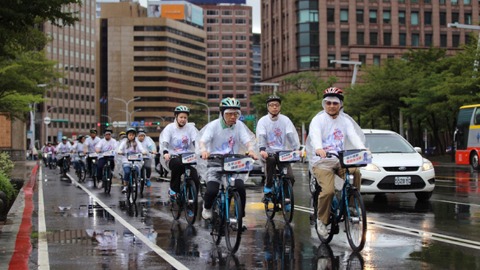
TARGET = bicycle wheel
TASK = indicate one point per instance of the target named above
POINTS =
(134, 185)
(217, 222)
(234, 223)
(270, 202)
(82, 173)
(191, 202)
(107, 179)
(142, 181)
(288, 202)
(332, 226)
(355, 221)
(176, 206)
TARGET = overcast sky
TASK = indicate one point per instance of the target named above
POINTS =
(256, 13)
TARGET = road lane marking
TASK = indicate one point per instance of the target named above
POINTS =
(43, 260)
(446, 201)
(412, 231)
(162, 253)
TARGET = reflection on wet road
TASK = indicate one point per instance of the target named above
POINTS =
(93, 230)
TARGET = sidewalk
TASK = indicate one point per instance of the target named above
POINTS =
(15, 233)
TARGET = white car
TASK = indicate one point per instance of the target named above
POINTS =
(396, 166)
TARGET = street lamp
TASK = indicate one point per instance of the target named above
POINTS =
(275, 86)
(129, 114)
(126, 106)
(355, 67)
(469, 27)
(208, 109)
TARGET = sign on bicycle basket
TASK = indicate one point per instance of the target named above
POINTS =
(288, 156)
(109, 153)
(135, 157)
(189, 158)
(237, 164)
(92, 155)
(357, 157)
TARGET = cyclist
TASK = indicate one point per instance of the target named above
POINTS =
(131, 145)
(175, 139)
(61, 150)
(50, 151)
(122, 135)
(149, 146)
(89, 147)
(76, 149)
(331, 130)
(275, 132)
(223, 136)
(104, 145)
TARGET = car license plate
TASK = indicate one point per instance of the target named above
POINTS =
(403, 180)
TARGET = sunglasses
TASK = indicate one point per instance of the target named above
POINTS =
(334, 103)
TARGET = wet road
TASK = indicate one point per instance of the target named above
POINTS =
(86, 229)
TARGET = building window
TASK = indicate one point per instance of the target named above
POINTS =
(428, 18)
(428, 40)
(443, 40)
(454, 2)
(362, 58)
(360, 38)
(402, 41)
(386, 16)
(387, 39)
(373, 16)
(344, 15)
(376, 60)
(373, 38)
(415, 40)
(443, 18)
(468, 18)
(308, 16)
(330, 58)
(414, 18)
(344, 38)
(331, 38)
(330, 15)
(455, 17)
(455, 40)
(401, 17)
(467, 2)
(359, 15)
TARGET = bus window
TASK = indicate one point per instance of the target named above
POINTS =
(463, 126)
(477, 117)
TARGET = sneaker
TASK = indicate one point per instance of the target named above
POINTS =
(322, 229)
(267, 190)
(148, 183)
(288, 207)
(173, 195)
(353, 211)
(207, 213)
(189, 213)
(124, 189)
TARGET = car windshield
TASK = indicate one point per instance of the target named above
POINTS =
(387, 143)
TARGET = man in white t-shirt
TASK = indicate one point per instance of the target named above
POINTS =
(330, 131)
(275, 132)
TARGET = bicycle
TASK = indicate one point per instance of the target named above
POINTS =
(187, 198)
(227, 209)
(80, 170)
(349, 206)
(143, 175)
(107, 173)
(65, 158)
(93, 168)
(136, 163)
(51, 164)
(282, 190)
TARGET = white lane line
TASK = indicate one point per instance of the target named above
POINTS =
(171, 260)
(415, 232)
(446, 201)
(43, 260)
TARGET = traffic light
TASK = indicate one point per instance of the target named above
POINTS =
(107, 124)
(98, 124)
(157, 123)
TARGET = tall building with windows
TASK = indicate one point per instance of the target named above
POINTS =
(229, 53)
(305, 35)
(71, 106)
(147, 65)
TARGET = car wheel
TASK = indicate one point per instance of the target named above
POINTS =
(423, 196)
(474, 161)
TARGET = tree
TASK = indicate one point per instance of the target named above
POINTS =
(23, 65)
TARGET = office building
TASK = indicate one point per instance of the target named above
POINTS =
(306, 35)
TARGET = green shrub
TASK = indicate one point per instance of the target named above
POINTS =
(7, 187)
(6, 164)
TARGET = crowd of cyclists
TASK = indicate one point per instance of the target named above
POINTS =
(330, 130)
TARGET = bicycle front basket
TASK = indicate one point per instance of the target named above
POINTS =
(288, 156)
(355, 158)
(189, 158)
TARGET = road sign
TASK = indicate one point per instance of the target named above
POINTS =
(47, 120)
(249, 117)
(119, 124)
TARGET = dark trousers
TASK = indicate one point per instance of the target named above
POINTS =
(178, 168)
(213, 188)
(101, 162)
(271, 166)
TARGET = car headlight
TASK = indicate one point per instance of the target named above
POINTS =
(427, 165)
(371, 167)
